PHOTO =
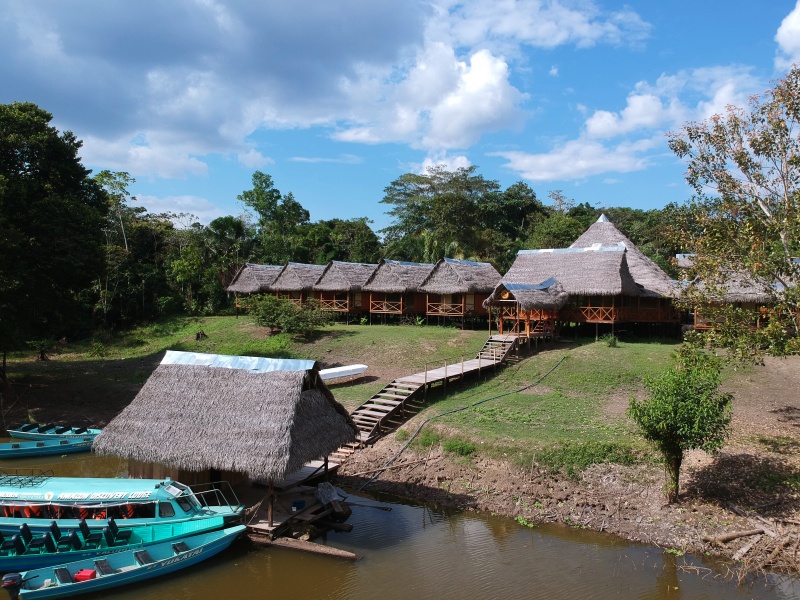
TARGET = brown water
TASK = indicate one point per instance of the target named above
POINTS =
(417, 553)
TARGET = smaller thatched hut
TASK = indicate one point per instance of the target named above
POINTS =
(458, 288)
(393, 288)
(252, 279)
(339, 287)
(200, 417)
(296, 281)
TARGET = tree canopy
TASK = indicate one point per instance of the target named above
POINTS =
(751, 228)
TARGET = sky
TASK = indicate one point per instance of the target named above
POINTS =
(337, 99)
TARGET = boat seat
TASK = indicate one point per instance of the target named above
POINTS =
(49, 544)
(90, 539)
(179, 547)
(15, 446)
(104, 567)
(60, 430)
(80, 430)
(143, 557)
(72, 542)
(17, 545)
(62, 575)
(28, 426)
(43, 428)
(123, 535)
(109, 537)
(39, 544)
(6, 546)
(58, 537)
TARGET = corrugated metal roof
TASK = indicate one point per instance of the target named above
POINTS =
(254, 364)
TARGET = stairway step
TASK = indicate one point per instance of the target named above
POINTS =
(385, 395)
(404, 393)
(370, 413)
(384, 408)
(386, 402)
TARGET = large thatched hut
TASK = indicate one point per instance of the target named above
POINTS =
(202, 417)
(654, 304)
(458, 288)
(585, 285)
(296, 281)
(339, 287)
(393, 288)
(252, 279)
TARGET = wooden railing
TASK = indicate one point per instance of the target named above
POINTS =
(445, 309)
(385, 306)
(334, 305)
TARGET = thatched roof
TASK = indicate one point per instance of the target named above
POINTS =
(547, 295)
(595, 271)
(297, 277)
(266, 424)
(254, 279)
(654, 281)
(451, 276)
(734, 285)
(395, 277)
(343, 276)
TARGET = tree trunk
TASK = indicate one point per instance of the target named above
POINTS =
(673, 460)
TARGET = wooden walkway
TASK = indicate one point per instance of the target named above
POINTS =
(401, 399)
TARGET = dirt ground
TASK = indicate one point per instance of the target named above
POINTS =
(741, 489)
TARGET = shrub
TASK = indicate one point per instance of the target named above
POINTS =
(460, 447)
(574, 458)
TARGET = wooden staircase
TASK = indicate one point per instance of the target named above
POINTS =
(399, 400)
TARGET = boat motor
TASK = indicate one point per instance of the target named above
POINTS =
(12, 583)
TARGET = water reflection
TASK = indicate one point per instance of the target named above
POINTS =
(414, 552)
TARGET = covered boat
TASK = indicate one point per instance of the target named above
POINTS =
(50, 431)
(122, 568)
(39, 498)
(45, 447)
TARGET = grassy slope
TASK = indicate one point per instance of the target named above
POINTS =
(579, 404)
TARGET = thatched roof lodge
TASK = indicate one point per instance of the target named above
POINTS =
(296, 280)
(458, 287)
(339, 286)
(393, 287)
(254, 279)
(652, 279)
(230, 416)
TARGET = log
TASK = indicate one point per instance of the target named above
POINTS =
(305, 546)
(722, 539)
(745, 549)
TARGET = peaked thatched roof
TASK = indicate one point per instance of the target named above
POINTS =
(297, 277)
(547, 295)
(451, 276)
(254, 279)
(595, 271)
(395, 277)
(194, 417)
(734, 285)
(654, 281)
(343, 277)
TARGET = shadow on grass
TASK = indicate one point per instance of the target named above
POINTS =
(764, 484)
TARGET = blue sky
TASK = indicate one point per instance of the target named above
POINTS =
(335, 100)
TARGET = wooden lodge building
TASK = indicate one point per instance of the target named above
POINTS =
(204, 417)
(394, 288)
(252, 279)
(458, 288)
(338, 289)
(601, 279)
(295, 282)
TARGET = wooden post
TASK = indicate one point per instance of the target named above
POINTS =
(445, 376)
(270, 503)
(325, 467)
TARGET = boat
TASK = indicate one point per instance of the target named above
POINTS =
(122, 568)
(45, 447)
(50, 431)
(23, 551)
(339, 372)
(37, 498)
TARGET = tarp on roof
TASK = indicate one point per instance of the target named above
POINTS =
(254, 364)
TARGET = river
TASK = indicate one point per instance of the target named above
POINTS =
(414, 552)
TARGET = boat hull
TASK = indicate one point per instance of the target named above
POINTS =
(51, 435)
(201, 547)
(11, 450)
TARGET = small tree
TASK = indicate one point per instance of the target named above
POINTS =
(684, 410)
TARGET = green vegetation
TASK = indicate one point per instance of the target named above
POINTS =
(459, 447)
(574, 457)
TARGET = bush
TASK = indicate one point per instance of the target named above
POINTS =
(284, 315)
(460, 447)
(426, 440)
(574, 458)
(611, 340)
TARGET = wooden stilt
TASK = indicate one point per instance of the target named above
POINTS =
(270, 503)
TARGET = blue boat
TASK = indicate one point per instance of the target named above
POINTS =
(36, 431)
(37, 498)
(45, 447)
(131, 566)
(23, 551)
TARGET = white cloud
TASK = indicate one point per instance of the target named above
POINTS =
(253, 159)
(200, 209)
(342, 159)
(166, 160)
(451, 163)
(788, 39)
(575, 159)
(553, 72)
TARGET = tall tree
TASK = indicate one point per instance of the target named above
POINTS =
(751, 158)
(52, 216)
